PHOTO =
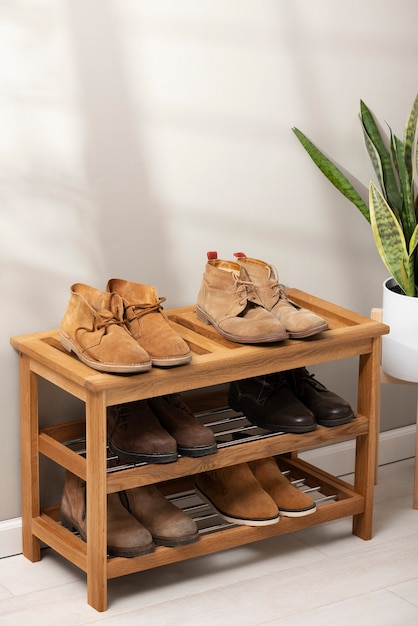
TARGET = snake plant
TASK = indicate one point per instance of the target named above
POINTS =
(391, 207)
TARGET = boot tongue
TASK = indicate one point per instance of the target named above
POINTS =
(140, 294)
(259, 271)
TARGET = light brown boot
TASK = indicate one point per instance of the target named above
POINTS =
(93, 328)
(299, 322)
(291, 501)
(237, 496)
(228, 301)
(126, 537)
(168, 525)
(148, 325)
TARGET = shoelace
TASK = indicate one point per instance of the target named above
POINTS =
(135, 311)
(246, 290)
(174, 399)
(108, 317)
(269, 384)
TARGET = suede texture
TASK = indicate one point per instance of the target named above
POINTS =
(136, 436)
(168, 525)
(227, 300)
(126, 536)
(292, 502)
(193, 438)
(148, 325)
(93, 328)
(237, 496)
(299, 322)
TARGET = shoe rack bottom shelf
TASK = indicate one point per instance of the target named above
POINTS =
(335, 499)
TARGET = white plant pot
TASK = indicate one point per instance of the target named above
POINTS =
(400, 346)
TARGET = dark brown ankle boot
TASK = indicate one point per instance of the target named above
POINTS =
(136, 436)
(126, 537)
(168, 525)
(193, 438)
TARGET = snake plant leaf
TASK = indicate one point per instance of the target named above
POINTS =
(346, 184)
(390, 241)
(407, 213)
(410, 135)
(389, 183)
(413, 241)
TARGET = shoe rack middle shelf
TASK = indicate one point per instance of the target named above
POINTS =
(81, 446)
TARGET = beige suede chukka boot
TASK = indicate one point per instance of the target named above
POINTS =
(298, 321)
(148, 325)
(93, 328)
(126, 536)
(237, 496)
(168, 525)
(228, 301)
(193, 438)
(292, 502)
(136, 436)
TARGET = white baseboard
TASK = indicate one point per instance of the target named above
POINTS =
(337, 459)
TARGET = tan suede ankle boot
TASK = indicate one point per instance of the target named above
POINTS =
(93, 328)
(148, 325)
(228, 301)
(237, 496)
(126, 536)
(168, 525)
(292, 502)
(299, 322)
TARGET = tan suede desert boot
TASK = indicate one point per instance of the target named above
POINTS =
(299, 322)
(227, 300)
(292, 502)
(126, 536)
(169, 525)
(93, 328)
(148, 325)
(237, 496)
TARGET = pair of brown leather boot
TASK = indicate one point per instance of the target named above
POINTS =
(253, 494)
(244, 301)
(137, 519)
(157, 430)
(121, 330)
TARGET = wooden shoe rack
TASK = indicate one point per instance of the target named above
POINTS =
(81, 446)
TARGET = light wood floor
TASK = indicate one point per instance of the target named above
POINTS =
(321, 575)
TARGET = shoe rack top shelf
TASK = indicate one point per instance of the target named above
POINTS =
(215, 360)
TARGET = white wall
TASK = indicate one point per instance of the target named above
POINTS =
(137, 135)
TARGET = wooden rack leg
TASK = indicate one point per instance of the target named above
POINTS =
(96, 501)
(366, 445)
(29, 456)
(415, 495)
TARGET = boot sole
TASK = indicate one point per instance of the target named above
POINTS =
(241, 521)
(196, 452)
(272, 427)
(114, 368)
(171, 361)
(142, 457)
(307, 333)
(206, 319)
